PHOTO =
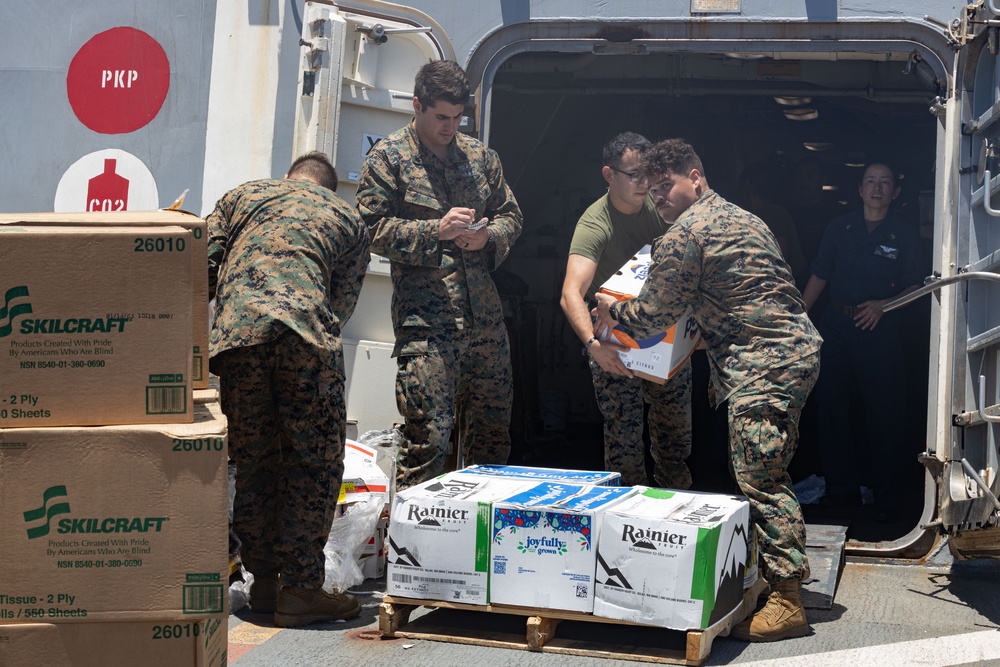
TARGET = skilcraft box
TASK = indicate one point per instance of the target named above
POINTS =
(544, 551)
(159, 218)
(546, 474)
(658, 358)
(439, 537)
(114, 523)
(95, 326)
(162, 643)
(672, 558)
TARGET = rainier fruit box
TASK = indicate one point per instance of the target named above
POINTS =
(95, 325)
(159, 218)
(544, 545)
(673, 558)
(439, 537)
(114, 523)
(657, 358)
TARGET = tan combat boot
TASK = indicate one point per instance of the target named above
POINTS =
(302, 606)
(782, 617)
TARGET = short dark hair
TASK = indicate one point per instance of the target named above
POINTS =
(869, 165)
(441, 80)
(315, 166)
(673, 155)
(624, 142)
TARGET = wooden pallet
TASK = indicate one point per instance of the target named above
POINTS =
(504, 626)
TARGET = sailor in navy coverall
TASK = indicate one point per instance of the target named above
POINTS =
(867, 258)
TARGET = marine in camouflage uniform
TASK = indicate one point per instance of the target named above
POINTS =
(764, 352)
(288, 257)
(452, 349)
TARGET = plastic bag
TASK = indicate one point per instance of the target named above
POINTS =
(348, 537)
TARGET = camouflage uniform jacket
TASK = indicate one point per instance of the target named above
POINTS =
(404, 192)
(725, 263)
(286, 255)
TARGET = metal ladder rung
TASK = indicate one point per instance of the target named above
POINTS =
(983, 340)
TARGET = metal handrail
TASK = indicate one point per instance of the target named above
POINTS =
(988, 195)
(934, 283)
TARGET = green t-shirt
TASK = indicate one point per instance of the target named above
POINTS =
(609, 237)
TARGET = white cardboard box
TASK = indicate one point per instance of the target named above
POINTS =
(439, 537)
(544, 545)
(672, 558)
(657, 358)
(601, 478)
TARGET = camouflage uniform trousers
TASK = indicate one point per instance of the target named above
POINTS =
(461, 377)
(621, 402)
(285, 406)
(763, 435)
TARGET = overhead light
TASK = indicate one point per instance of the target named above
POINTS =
(746, 56)
(793, 101)
(818, 146)
(854, 165)
(831, 188)
(803, 113)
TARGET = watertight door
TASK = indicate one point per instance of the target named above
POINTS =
(356, 79)
(963, 455)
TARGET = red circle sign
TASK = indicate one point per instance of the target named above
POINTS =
(118, 80)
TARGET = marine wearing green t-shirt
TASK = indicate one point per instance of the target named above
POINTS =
(608, 234)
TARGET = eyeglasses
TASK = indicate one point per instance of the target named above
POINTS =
(633, 176)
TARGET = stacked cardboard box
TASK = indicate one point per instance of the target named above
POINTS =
(95, 325)
(197, 246)
(113, 481)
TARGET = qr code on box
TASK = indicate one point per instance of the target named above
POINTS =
(581, 590)
(500, 567)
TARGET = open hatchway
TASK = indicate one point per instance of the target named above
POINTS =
(549, 114)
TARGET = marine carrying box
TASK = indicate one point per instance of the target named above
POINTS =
(161, 643)
(115, 523)
(659, 357)
(198, 255)
(95, 325)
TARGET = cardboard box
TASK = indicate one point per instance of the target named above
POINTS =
(601, 478)
(439, 537)
(544, 549)
(364, 477)
(95, 325)
(114, 523)
(673, 559)
(657, 358)
(162, 643)
(198, 254)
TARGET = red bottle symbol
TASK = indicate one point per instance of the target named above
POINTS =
(107, 191)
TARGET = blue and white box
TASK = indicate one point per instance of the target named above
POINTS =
(597, 477)
(544, 548)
